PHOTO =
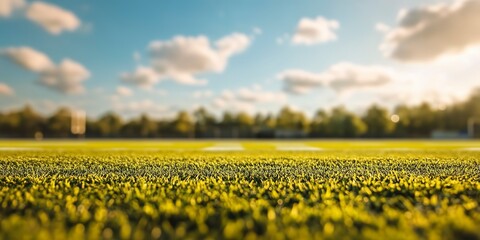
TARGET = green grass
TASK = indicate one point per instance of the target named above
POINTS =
(173, 189)
(249, 145)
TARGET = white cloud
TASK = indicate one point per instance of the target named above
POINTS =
(440, 83)
(382, 27)
(233, 106)
(257, 31)
(52, 18)
(157, 92)
(143, 77)
(427, 33)
(28, 58)
(134, 108)
(183, 58)
(202, 94)
(445, 81)
(124, 91)
(300, 81)
(7, 7)
(247, 99)
(340, 77)
(6, 90)
(66, 77)
(315, 31)
(258, 95)
(412, 89)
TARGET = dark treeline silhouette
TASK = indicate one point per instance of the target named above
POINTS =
(377, 122)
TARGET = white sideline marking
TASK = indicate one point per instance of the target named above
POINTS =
(296, 147)
(396, 149)
(471, 149)
(19, 149)
(225, 147)
(114, 149)
(130, 149)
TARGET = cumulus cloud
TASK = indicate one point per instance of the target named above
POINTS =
(246, 99)
(300, 81)
(52, 18)
(427, 33)
(6, 90)
(382, 27)
(254, 94)
(314, 31)
(66, 77)
(124, 91)
(28, 58)
(143, 77)
(134, 108)
(7, 7)
(233, 106)
(182, 59)
(202, 94)
(258, 95)
(412, 89)
(339, 77)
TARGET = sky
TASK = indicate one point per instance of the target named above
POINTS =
(159, 57)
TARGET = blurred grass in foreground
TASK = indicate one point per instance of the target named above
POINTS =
(122, 194)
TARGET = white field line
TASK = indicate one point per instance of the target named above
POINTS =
(295, 147)
(476, 149)
(20, 149)
(114, 149)
(454, 144)
(225, 147)
(397, 149)
(134, 149)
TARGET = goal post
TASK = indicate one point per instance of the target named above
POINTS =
(78, 124)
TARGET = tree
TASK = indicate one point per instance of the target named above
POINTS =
(472, 105)
(378, 122)
(245, 124)
(59, 124)
(244, 120)
(147, 127)
(131, 129)
(289, 119)
(423, 120)
(23, 123)
(228, 119)
(109, 125)
(319, 124)
(402, 127)
(142, 127)
(264, 125)
(183, 125)
(345, 124)
(204, 122)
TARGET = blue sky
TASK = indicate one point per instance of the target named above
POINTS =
(261, 75)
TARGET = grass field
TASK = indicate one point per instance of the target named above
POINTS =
(240, 189)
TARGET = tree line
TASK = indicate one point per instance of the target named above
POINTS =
(377, 122)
